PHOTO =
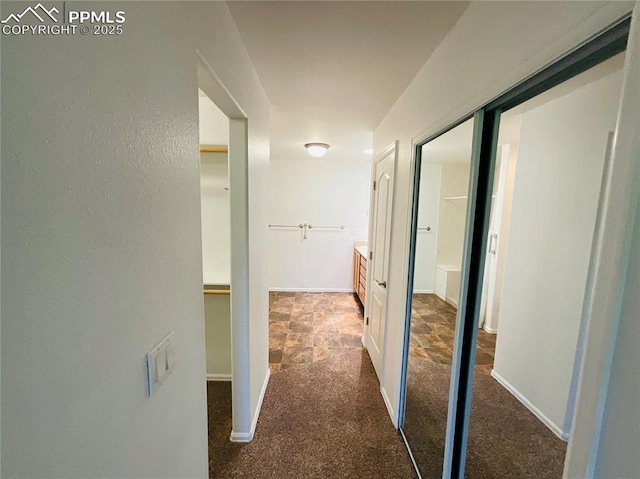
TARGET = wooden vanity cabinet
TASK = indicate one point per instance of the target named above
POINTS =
(359, 275)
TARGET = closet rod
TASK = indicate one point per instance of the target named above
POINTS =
(214, 149)
(341, 227)
(217, 291)
(287, 226)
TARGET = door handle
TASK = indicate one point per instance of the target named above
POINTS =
(382, 283)
(493, 240)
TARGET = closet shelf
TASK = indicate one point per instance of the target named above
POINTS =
(460, 198)
(224, 292)
(456, 198)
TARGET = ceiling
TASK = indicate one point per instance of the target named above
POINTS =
(331, 70)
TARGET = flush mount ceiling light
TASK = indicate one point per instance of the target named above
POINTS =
(317, 150)
(368, 151)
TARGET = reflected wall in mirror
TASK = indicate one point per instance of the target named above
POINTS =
(441, 209)
(552, 152)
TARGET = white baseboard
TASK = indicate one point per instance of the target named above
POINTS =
(248, 436)
(423, 291)
(240, 437)
(539, 414)
(218, 377)
(389, 408)
(490, 330)
(313, 290)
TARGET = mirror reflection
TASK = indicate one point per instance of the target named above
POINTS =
(441, 214)
(552, 151)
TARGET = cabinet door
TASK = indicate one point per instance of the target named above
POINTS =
(356, 270)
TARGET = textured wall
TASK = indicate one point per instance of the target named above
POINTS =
(319, 192)
(101, 253)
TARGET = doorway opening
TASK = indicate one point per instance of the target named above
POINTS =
(225, 233)
(319, 222)
(216, 266)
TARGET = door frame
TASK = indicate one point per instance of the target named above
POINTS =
(392, 149)
(209, 82)
(602, 296)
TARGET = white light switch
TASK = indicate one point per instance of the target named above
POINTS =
(160, 362)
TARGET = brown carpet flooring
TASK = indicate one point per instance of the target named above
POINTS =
(322, 420)
(505, 439)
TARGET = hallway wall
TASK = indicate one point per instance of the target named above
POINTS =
(216, 218)
(452, 214)
(214, 125)
(101, 244)
(318, 192)
(492, 47)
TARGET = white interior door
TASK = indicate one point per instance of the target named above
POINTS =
(379, 238)
(424, 279)
(490, 307)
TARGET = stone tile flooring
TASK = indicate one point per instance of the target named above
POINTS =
(309, 327)
(433, 323)
(304, 328)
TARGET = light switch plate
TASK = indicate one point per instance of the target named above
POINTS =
(160, 362)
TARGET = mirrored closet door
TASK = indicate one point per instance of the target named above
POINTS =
(440, 210)
(505, 207)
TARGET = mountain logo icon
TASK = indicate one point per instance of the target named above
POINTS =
(39, 11)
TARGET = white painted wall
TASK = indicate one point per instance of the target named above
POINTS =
(618, 454)
(471, 66)
(556, 191)
(217, 327)
(319, 192)
(101, 244)
(453, 210)
(216, 221)
(214, 125)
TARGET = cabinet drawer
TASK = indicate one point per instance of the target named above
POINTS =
(362, 293)
(363, 261)
(363, 282)
(363, 270)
